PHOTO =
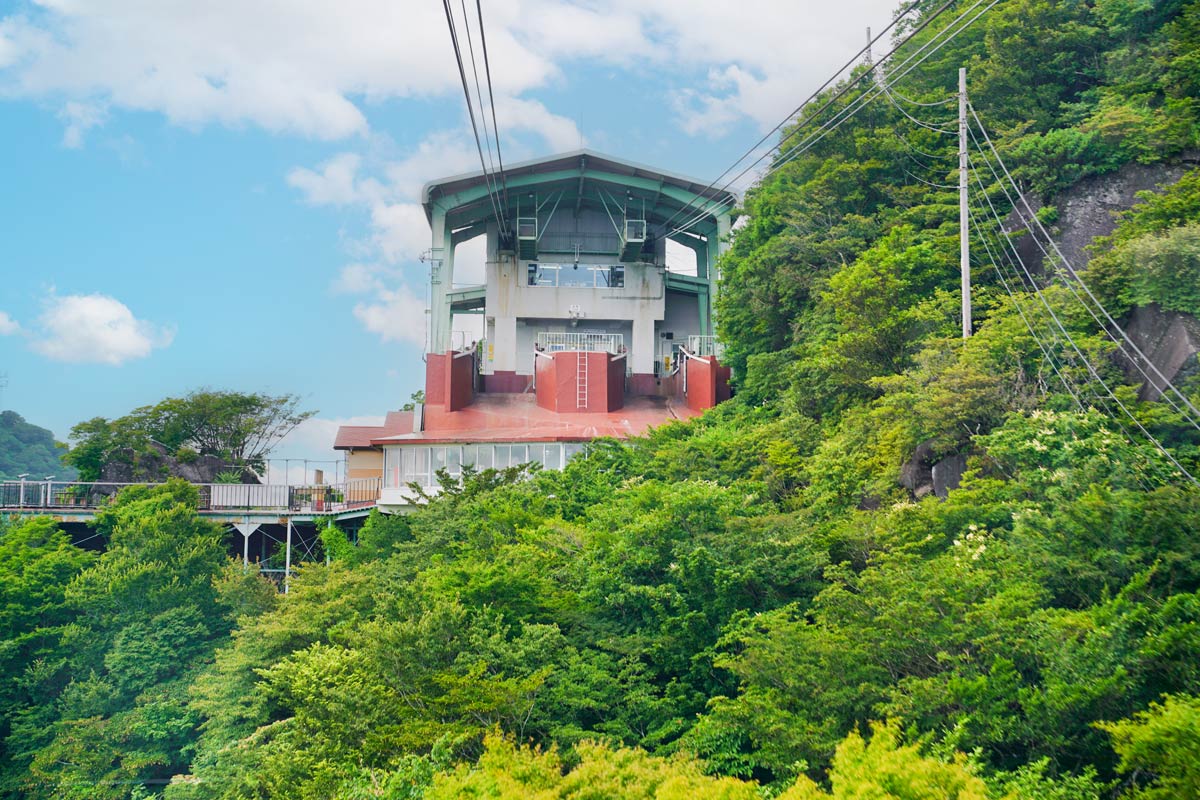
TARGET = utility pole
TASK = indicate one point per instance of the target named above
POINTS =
(964, 232)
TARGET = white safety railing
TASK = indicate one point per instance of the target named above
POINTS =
(704, 346)
(249, 497)
(554, 342)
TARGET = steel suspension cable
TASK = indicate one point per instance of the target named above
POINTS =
(487, 67)
(470, 106)
(1091, 368)
(855, 106)
(1166, 383)
(704, 196)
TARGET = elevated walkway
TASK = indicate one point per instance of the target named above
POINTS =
(226, 503)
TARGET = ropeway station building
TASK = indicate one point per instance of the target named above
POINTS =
(585, 331)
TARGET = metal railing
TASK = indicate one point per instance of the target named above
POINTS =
(577, 276)
(84, 496)
(555, 342)
(704, 346)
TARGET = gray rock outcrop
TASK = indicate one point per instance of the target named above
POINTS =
(1170, 340)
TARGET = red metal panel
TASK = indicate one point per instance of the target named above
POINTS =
(506, 381)
(460, 381)
(435, 379)
(547, 382)
(565, 387)
(518, 418)
(724, 374)
(597, 383)
(701, 383)
(643, 384)
(616, 383)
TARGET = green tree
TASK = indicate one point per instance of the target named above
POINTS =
(237, 427)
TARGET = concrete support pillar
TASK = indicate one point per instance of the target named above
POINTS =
(718, 243)
(505, 341)
(642, 347)
(441, 279)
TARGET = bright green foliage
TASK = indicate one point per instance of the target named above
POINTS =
(1162, 269)
(37, 562)
(1162, 744)
(882, 767)
(114, 678)
(756, 586)
(508, 772)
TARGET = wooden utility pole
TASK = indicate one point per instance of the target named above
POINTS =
(964, 232)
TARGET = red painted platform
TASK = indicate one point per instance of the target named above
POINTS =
(518, 418)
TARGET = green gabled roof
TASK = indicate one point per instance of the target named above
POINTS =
(585, 178)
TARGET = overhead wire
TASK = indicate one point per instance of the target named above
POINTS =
(478, 89)
(1072, 389)
(1091, 369)
(492, 102)
(912, 102)
(857, 104)
(470, 105)
(779, 126)
(866, 97)
(914, 120)
(1067, 384)
(1194, 417)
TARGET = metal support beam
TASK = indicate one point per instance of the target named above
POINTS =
(287, 561)
(246, 528)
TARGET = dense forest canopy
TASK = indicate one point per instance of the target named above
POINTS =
(27, 449)
(764, 602)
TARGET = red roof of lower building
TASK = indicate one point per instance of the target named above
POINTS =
(354, 437)
(518, 418)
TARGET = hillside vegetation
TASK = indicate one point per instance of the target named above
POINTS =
(751, 604)
(27, 449)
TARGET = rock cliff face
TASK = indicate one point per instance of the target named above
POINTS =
(1089, 208)
(1170, 340)
(160, 465)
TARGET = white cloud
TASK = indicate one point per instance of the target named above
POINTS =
(8, 325)
(95, 328)
(335, 184)
(767, 56)
(316, 434)
(357, 278)
(515, 114)
(397, 315)
(301, 66)
(401, 231)
(438, 154)
(310, 67)
(79, 117)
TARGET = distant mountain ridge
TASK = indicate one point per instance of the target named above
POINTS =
(27, 448)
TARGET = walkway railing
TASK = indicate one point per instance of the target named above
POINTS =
(705, 346)
(266, 498)
(554, 342)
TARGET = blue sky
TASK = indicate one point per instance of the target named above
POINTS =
(223, 194)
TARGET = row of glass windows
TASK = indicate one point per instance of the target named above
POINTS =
(407, 464)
